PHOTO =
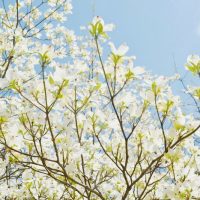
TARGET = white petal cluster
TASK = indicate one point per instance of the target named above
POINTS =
(75, 124)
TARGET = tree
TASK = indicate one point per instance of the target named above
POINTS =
(76, 125)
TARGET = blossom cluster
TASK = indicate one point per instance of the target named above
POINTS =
(76, 124)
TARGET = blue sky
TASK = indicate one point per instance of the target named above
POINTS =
(155, 30)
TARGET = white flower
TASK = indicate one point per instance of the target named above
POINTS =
(59, 75)
(68, 7)
(193, 64)
(28, 2)
(27, 176)
(106, 27)
(138, 70)
(3, 83)
(193, 59)
(121, 51)
(99, 28)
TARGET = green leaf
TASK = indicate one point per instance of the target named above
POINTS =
(12, 160)
(97, 29)
(109, 149)
(108, 76)
(93, 30)
(100, 28)
(51, 81)
(23, 119)
(194, 68)
(146, 104)
(60, 96)
(115, 58)
(3, 119)
(155, 88)
(170, 103)
(104, 35)
(28, 185)
(178, 126)
(30, 146)
(197, 93)
(65, 83)
(44, 58)
(97, 86)
(129, 75)
(12, 52)
(13, 85)
(93, 118)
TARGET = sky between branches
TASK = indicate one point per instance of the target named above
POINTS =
(155, 30)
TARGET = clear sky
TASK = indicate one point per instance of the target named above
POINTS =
(155, 30)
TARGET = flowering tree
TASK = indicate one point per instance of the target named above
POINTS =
(75, 124)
